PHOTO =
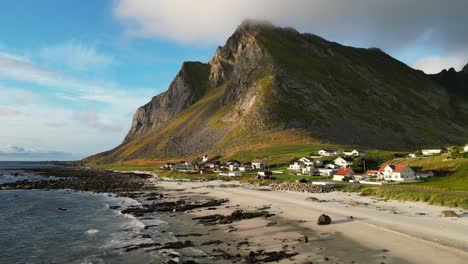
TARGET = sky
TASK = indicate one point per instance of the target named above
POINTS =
(72, 73)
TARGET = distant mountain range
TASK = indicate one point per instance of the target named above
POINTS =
(275, 86)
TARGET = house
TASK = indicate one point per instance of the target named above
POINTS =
(205, 158)
(307, 161)
(212, 164)
(296, 166)
(186, 163)
(264, 174)
(331, 166)
(359, 177)
(258, 164)
(328, 152)
(231, 174)
(343, 173)
(182, 165)
(246, 167)
(424, 174)
(354, 153)
(318, 163)
(465, 148)
(326, 172)
(411, 155)
(168, 166)
(233, 165)
(343, 162)
(396, 172)
(308, 170)
(372, 173)
(431, 151)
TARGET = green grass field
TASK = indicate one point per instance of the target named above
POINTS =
(449, 188)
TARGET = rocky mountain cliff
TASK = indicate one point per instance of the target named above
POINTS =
(272, 86)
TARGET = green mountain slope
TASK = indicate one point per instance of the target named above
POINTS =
(275, 86)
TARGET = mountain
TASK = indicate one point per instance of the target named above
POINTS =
(272, 86)
(455, 82)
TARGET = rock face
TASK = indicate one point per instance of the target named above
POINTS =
(271, 85)
(187, 87)
(324, 220)
(465, 69)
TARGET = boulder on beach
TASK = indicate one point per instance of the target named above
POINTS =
(448, 213)
(324, 220)
(312, 199)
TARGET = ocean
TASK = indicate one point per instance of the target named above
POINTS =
(65, 226)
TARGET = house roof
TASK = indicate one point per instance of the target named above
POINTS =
(395, 167)
(344, 171)
(348, 158)
(257, 161)
(329, 150)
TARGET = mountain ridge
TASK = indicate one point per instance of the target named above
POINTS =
(271, 85)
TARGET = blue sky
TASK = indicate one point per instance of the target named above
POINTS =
(72, 73)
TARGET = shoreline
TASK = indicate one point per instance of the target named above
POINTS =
(375, 223)
(283, 225)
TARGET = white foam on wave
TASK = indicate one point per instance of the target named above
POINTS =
(92, 231)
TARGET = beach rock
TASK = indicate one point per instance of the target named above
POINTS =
(261, 256)
(237, 215)
(302, 187)
(214, 242)
(324, 220)
(311, 199)
(448, 213)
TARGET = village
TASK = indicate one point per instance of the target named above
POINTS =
(329, 165)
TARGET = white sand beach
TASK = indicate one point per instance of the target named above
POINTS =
(388, 231)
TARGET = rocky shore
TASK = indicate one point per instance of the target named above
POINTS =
(174, 206)
(302, 187)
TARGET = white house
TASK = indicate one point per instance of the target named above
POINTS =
(328, 152)
(258, 164)
(308, 170)
(326, 172)
(343, 162)
(233, 167)
(465, 148)
(397, 172)
(343, 173)
(306, 161)
(432, 151)
(231, 174)
(331, 166)
(246, 168)
(264, 174)
(354, 153)
(411, 155)
(296, 166)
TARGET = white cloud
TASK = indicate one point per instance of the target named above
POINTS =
(103, 92)
(395, 26)
(76, 55)
(12, 152)
(435, 64)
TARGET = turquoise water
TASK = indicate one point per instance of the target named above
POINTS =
(33, 230)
